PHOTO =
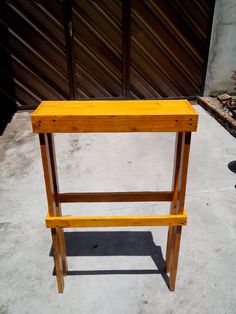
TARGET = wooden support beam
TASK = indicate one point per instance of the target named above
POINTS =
(179, 207)
(115, 221)
(49, 166)
(175, 189)
(164, 196)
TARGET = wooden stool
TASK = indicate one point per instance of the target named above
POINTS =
(115, 116)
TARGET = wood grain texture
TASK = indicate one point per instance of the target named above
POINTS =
(183, 172)
(114, 116)
(53, 209)
(164, 196)
(175, 257)
(178, 203)
(55, 191)
(175, 189)
(57, 258)
(115, 221)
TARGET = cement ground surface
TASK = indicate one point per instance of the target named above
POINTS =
(116, 270)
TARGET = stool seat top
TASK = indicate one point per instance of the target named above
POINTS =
(114, 116)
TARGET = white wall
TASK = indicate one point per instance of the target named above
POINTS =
(222, 55)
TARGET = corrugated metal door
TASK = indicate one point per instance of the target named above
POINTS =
(62, 49)
(141, 48)
(98, 48)
(169, 47)
(35, 46)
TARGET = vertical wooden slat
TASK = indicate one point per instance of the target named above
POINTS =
(183, 171)
(52, 154)
(175, 257)
(57, 259)
(52, 208)
(47, 174)
(176, 170)
(181, 187)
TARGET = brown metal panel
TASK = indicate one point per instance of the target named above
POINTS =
(98, 48)
(126, 48)
(63, 49)
(169, 46)
(36, 45)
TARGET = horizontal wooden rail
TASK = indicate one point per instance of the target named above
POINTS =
(164, 196)
(115, 221)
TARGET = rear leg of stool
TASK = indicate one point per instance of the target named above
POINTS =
(177, 206)
(176, 235)
(57, 259)
(51, 148)
(175, 180)
(49, 167)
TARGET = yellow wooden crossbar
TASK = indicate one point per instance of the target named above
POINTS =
(115, 221)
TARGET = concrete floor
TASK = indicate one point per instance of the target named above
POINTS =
(115, 270)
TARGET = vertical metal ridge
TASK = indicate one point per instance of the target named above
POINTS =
(98, 48)
(69, 42)
(167, 33)
(101, 49)
(126, 15)
(36, 47)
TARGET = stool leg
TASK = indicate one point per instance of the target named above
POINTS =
(175, 256)
(169, 248)
(178, 205)
(57, 259)
(53, 210)
(61, 236)
(63, 250)
(176, 170)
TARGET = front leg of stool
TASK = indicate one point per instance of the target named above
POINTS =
(175, 185)
(57, 259)
(57, 240)
(182, 158)
(53, 164)
(174, 257)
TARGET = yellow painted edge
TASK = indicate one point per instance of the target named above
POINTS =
(38, 111)
(113, 221)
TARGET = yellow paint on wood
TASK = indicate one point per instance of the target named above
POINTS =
(115, 221)
(114, 116)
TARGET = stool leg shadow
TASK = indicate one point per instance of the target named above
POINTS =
(161, 265)
(115, 243)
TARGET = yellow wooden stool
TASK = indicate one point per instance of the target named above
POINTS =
(115, 116)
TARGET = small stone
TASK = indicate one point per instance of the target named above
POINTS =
(224, 98)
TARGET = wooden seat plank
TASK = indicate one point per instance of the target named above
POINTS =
(114, 116)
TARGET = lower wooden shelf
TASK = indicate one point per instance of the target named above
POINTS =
(115, 221)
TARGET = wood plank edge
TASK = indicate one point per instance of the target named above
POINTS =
(89, 197)
(115, 221)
